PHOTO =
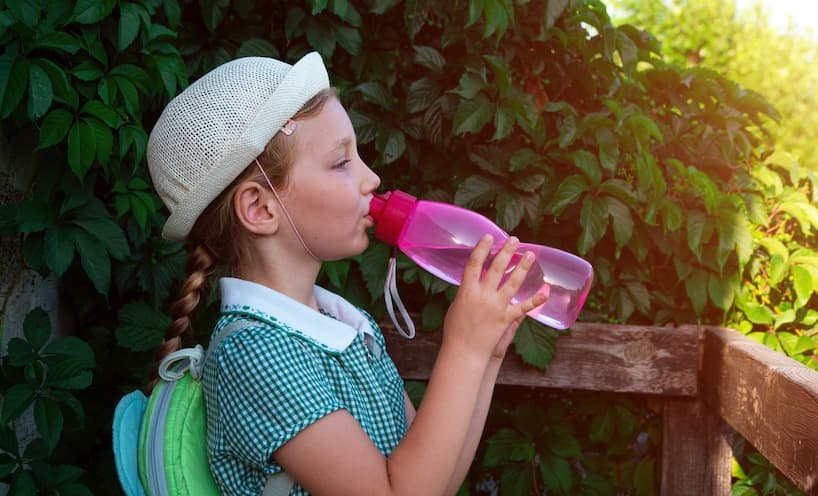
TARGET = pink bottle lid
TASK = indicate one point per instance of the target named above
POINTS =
(390, 211)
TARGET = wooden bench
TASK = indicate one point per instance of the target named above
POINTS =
(711, 382)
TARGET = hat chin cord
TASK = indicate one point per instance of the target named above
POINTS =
(287, 214)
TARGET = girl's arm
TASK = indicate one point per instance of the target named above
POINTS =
(335, 456)
(478, 420)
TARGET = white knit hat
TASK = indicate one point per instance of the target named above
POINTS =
(209, 133)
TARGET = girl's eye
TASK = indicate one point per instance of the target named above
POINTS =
(342, 164)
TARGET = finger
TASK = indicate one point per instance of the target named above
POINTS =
(474, 266)
(537, 299)
(499, 264)
(515, 280)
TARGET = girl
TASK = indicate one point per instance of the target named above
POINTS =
(258, 165)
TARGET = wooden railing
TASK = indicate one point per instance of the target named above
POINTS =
(711, 382)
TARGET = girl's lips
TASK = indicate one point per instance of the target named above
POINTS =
(369, 220)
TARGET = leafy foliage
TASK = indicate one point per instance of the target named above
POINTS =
(543, 115)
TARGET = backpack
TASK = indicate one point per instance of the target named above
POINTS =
(160, 442)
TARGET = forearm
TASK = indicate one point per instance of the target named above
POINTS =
(431, 451)
(476, 426)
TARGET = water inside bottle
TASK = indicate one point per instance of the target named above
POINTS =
(566, 288)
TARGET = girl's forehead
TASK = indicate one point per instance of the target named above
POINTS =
(327, 131)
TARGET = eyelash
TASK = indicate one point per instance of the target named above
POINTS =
(342, 164)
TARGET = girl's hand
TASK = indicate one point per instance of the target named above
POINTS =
(482, 318)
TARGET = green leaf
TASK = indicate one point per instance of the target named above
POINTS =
(54, 127)
(94, 259)
(394, 146)
(14, 75)
(91, 11)
(510, 210)
(696, 286)
(141, 326)
(257, 47)
(37, 328)
(22, 484)
(25, 11)
(58, 249)
(568, 193)
(129, 14)
(621, 220)
(429, 57)
(507, 444)
(81, 149)
(348, 37)
(803, 283)
(502, 73)
(472, 115)
(522, 158)
(757, 314)
(723, 289)
(475, 191)
(672, 215)
(104, 139)
(213, 12)
(601, 429)
(58, 41)
(608, 148)
(644, 477)
(34, 216)
(568, 131)
(20, 353)
(735, 235)
(49, 421)
(556, 473)
(422, 93)
(40, 92)
(535, 343)
(469, 85)
(594, 220)
(588, 164)
(374, 264)
(374, 92)
(101, 111)
(71, 346)
(504, 120)
(15, 401)
(432, 315)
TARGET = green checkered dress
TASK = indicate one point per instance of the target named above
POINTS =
(292, 366)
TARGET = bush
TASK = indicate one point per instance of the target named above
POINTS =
(567, 130)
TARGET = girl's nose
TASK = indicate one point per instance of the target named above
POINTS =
(371, 180)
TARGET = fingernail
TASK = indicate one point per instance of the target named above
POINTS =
(529, 256)
(514, 240)
(487, 237)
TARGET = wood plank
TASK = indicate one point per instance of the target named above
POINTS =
(696, 454)
(766, 397)
(595, 357)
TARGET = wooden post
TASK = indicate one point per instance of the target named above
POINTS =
(768, 398)
(696, 455)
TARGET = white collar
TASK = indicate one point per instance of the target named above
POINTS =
(263, 302)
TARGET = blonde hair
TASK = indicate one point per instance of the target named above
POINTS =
(217, 238)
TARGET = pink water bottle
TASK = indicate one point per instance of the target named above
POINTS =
(440, 237)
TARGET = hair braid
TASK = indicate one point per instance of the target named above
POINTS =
(200, 265)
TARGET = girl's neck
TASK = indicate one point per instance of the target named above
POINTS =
(294, 280)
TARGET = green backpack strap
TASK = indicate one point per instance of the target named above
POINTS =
(281, 483)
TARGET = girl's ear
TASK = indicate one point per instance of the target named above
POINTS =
(256, 208)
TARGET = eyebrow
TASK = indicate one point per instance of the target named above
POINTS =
(341, 144)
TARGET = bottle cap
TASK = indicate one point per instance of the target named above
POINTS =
(390, 212)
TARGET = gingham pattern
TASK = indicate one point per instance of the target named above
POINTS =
(269, 381)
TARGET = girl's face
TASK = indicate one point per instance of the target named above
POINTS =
(329, 186)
